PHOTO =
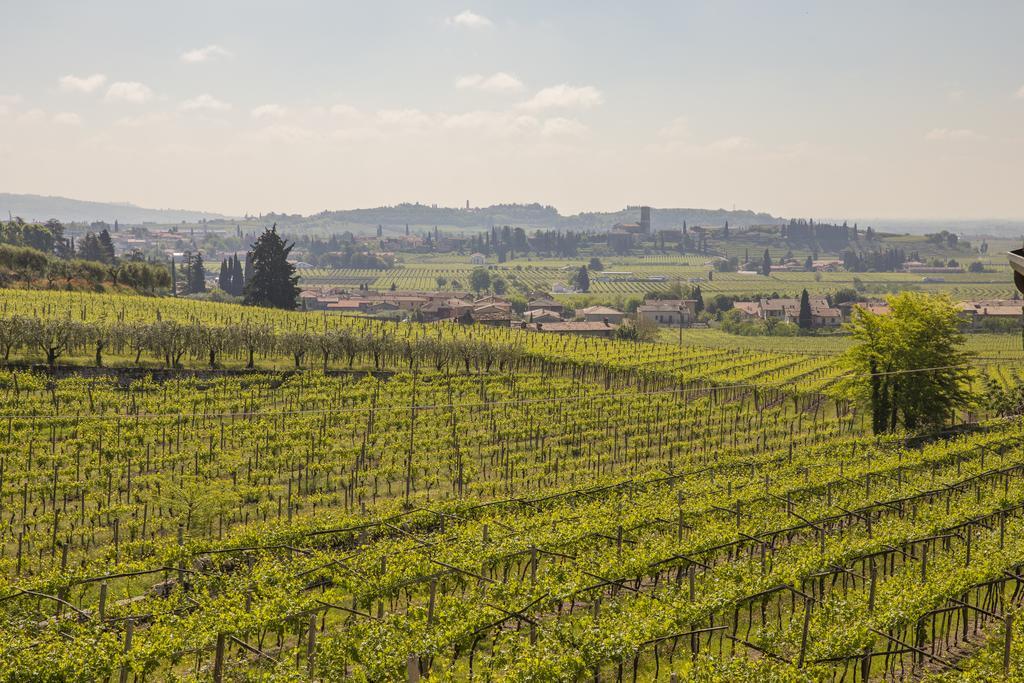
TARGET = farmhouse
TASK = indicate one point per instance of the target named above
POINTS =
(597, 314)
(668, 311)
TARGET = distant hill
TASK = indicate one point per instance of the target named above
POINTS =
(33, 207)
(529, 216)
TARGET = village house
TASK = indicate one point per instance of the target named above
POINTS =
(597, 314)
(546, 304)
(668, 311)
(542, 315)
(788, 310)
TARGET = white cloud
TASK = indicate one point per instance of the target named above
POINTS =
(72, 83)
(66, 118)
(204, 54)
(285, 133)
(469, 19)
(953, 134)
(7, 103)
(357, 134)
(678, 127)
(1020, 93)
(32, 115)
(271, 111)
(562, 127)
(204, 102)
(496, 123)
(565, 96)
(498, 82)
(143, 120)
(404, 118)
(344, 110)
(729, 144)
(128, 91)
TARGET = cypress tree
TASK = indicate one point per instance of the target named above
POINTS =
(224, 279)
(197, 275)
(237, 277)
(805, 320)
(106, 247)
(271, 281)
(247, 272)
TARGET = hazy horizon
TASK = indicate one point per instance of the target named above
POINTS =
(908, 112)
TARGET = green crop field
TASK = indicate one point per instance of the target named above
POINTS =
(377, 501)
(657, 272)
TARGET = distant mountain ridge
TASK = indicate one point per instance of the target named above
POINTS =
(530, 216)
(33, 207)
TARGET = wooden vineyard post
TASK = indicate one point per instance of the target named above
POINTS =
(865, 669)
(218, 660)
(871, 589)
(103, 601)
(1007, 642)
(803, 636)
(433, 599)
(129, 628)
(679, 504)
(311, 646)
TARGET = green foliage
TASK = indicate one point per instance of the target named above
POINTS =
(581, 279)
(479, 280)
(273, 282)
(804, 318)
(909, 365)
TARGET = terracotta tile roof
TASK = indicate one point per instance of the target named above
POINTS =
(599, 310)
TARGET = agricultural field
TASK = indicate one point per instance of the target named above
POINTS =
(373, 501)
(416, 272)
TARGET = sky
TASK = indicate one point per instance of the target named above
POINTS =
(821, 109)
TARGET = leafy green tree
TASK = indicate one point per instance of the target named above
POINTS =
(273, 282)
(499, 285)
(805, 319)
(627, 332)
(698, 298)
(909, 365)
(595, 264)
(766, 264)
(479, 280)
